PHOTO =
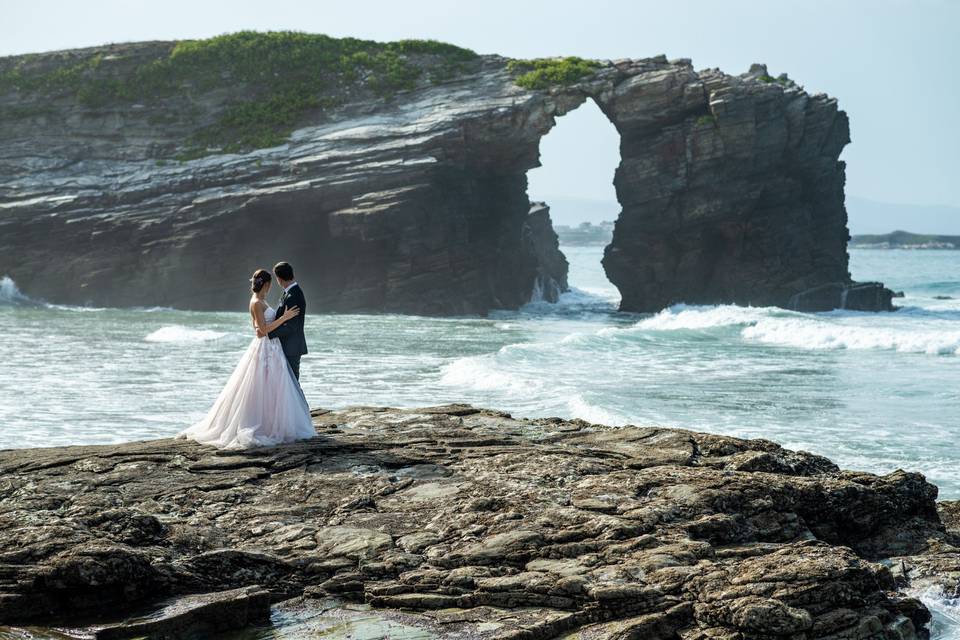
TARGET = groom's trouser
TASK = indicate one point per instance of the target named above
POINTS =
(295, 365)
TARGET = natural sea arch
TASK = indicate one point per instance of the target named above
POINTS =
(730, 188)
(578, 160)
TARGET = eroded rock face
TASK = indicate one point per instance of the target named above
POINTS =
(731, 189)
(478, 524)
(931, 566)
(730, 186)
(415, 204)
(552, 266)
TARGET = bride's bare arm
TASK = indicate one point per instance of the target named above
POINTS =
(264, 327)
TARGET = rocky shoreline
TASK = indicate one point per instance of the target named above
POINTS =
(469, 523)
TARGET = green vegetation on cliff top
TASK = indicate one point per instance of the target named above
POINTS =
(781, 79)
(265, 83)
(283, 76)
(544, 73)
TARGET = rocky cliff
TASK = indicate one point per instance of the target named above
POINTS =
(393, 176)
(552, 266)
(472, 524)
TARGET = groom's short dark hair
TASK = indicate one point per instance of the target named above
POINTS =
(283, 270)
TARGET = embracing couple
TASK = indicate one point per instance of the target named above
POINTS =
(262, 403)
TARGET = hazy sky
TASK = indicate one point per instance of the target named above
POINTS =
(892, 64)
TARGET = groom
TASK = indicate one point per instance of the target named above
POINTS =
(290, 333)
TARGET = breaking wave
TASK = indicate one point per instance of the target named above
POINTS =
(578, 407)
(945, 610)
(910, 330)
(10, 294)
(815, 334)
(179, 333)
(681, 316)
(481, 373)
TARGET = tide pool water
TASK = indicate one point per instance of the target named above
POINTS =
(873, 391)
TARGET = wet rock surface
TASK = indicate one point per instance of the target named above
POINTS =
(484, 525)
(931, 566)
(730, 187)
(858, 296)
(195, 616)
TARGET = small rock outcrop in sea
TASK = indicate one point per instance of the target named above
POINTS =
(474, 524)
(393, 175)
(552, 266)
(858, 296)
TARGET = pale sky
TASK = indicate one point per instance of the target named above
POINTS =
(892, 64)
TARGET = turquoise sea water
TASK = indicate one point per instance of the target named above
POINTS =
(872, 391)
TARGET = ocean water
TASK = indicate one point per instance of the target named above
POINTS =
(872, 391)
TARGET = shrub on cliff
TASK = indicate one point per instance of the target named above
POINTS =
(543, 73)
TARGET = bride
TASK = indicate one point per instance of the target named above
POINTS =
(262, 403)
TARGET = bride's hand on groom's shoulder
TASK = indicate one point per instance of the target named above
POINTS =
(291, 312)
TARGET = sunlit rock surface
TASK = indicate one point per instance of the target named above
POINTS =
(471, 522)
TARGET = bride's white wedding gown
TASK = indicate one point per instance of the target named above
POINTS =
(261, 405)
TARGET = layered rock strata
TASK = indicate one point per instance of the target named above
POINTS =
(731, 191)
(475, 523)
(415, 201)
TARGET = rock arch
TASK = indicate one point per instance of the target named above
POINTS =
(730, 187)
(731, 191)
(580, 153)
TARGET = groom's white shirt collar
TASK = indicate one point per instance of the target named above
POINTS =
(290, 286)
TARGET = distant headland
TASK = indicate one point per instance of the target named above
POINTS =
(904, 240)
(601, 234)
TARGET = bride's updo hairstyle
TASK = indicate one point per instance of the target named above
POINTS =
(260, 278)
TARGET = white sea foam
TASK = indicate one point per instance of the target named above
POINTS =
(590, 295)
(78, 309)
(681, 316)
(575, 338)
(9, 293)
(946, 613)
(935, 305)
(911, 330)
(152, 309)
(179, 333)
(478, 373)
(575, 301)
(580, 408)
(817, 333)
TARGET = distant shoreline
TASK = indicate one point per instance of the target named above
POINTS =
(905, 240)
(585, 234)
(588, 234)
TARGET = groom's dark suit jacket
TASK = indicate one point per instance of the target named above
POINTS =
(290, 333)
